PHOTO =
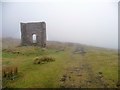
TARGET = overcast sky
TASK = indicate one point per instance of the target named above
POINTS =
(92, 23)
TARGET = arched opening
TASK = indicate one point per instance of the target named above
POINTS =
(34, 38)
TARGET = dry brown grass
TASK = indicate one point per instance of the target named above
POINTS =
(9, 71)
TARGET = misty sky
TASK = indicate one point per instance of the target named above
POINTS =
(92, 23)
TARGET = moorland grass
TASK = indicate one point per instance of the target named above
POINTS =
(48, 75)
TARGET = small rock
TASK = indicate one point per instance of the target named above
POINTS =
(118, 84)
(101, 76)
(13, 77)
(61, 83)
(77, 70)
(69, 77)
(62, 86)
(65, 76)
(81, 67)
(63, 79)
(100, 72)
(89, 81)
(42, 62)
(71, 71)
(72, 85)
(79, 74)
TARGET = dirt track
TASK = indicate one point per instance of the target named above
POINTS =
(82, 76)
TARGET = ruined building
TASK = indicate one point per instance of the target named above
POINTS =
(33, 33)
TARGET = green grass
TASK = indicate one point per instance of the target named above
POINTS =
(48, 75)
(105, 62)
(8, 55)
(34, 75)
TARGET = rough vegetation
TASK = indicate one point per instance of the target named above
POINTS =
(44, 59)
(9, 71)
(74, 66)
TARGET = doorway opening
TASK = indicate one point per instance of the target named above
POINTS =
(34, 39)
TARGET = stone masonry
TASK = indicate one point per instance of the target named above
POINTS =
(33, 28)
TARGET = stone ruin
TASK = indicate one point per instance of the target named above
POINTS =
(33, 33)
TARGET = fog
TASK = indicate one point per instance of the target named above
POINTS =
(91, 23)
